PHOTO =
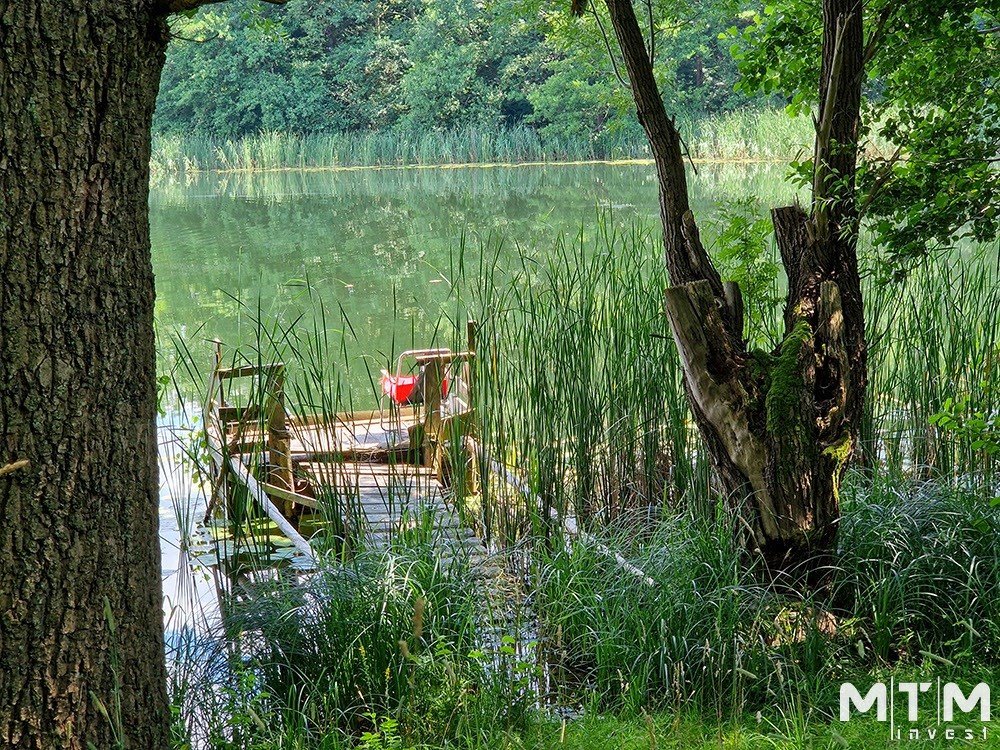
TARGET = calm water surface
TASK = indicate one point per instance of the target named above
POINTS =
(380, 242)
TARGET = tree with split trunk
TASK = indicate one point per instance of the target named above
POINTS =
(81, 619)
(779, 426)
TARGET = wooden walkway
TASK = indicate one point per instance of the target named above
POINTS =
(378, 474)
(381, 500)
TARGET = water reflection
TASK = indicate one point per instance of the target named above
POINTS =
(381, 242)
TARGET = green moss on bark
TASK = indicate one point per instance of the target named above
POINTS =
(784, 392)
(839, 451)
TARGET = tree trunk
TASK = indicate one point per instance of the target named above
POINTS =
(81, 620)
(778, 426)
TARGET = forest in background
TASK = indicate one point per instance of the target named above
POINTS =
(408, 67)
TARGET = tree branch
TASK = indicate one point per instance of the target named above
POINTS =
(823, 128)
(652, 31)
(15, 466)
(877, 35)
(885, 173)
(607, 45)
(686, 258)
(791, 233)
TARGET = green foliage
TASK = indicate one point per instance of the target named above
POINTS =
(930, 130)
(251, 83)
(744, 254)
(957, 416)
(408, 66)
(979, 426)
(393, 649)
(936, 98)
(583, 94)
(463, 58)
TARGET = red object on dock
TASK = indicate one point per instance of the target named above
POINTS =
(400, 388)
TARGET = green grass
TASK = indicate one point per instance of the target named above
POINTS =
(917, 581)
(387, 643)
(397, 648)
(741, 135)
(673, 731)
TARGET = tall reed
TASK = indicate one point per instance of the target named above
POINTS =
(739, 135)
(578, 383)
(934, 335)
(580, 401)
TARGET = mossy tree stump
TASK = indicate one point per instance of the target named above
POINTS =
(778, 426)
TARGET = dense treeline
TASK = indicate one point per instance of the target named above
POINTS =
(354, 66)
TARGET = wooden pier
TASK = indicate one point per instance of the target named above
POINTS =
(369, 475)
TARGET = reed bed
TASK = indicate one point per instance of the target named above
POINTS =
(389, 646)
(269, 151)
(580, 398)
(579, 384)
(934, 335)
(752, 135)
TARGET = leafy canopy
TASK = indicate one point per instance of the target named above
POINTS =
(930, 126)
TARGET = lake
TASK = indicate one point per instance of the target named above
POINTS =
(380, 244)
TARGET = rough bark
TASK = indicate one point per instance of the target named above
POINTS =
(81, 622)
(778, 426)
(685, 256)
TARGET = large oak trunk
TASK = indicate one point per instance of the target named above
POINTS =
(778, 426)
(81, 622)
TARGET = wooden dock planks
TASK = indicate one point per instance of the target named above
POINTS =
(388, 498)
(359, 466)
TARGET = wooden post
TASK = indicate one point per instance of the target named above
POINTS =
(278, 437)
(471, 430)
(433, 382)
(471, 329)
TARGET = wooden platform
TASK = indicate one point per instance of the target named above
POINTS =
(379, 473)
(372, 436)
(381, 500)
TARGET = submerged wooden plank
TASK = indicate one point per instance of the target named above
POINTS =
(246, 478)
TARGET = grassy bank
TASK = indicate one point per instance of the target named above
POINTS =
(580, 395)
(398, 648)
(757, 135)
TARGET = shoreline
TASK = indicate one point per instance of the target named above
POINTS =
(464, 165)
